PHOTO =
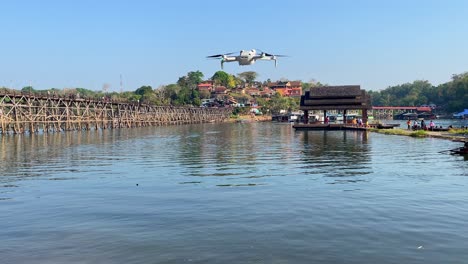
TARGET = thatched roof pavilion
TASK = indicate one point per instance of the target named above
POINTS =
(346, 97)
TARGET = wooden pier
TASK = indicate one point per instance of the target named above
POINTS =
(30, 113)
(321, 126)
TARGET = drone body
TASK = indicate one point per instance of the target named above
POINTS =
(245, 57)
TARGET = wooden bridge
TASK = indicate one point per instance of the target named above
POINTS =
(32, 113)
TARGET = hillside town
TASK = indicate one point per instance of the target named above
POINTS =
(246, 94)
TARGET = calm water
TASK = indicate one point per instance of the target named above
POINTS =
(231, 193)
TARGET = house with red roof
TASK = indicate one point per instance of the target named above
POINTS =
(220, 90)
(287, 88)
(267, 92)
(205, 86)
(252, 91)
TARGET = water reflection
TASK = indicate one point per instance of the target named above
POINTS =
(342, 154)
(44, 155)
(228, 150)
(231, 193)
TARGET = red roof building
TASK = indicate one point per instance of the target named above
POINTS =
(252, 91)
(267, 92)
(220, 90)
(205, 86)
(288, 88)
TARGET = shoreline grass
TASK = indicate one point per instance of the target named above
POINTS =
(462, 131)
(460, 134)
(402, 132)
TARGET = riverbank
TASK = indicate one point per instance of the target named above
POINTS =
(457, 135)
(250, 118)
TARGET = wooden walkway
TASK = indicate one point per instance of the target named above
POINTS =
(28, 113)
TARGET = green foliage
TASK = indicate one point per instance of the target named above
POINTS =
(399, 132)
(248, 76)
(130, 96)
(191, 80)
(312, 83)
(241, 111)
(224, 79)
(419, 133)
(85, 92)
(187, 96)
(28, 89)
(194, 78)
(144, 90)
(278, 103)
(169, 92)
(146, 94)
(241, 98)
(461, 131)
(451, 96)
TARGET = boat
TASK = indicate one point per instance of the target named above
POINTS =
(438, 129)
(460, 151)
(335, 118)
(406, 116)
(294, 117)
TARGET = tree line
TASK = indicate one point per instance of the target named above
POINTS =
(449, 97)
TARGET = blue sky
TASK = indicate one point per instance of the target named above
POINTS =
(376, 44)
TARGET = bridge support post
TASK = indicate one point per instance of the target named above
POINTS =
(345, 112)
(364, 116)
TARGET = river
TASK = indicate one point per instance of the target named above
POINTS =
(231, 193)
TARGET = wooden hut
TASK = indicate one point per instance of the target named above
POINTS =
(346, 97)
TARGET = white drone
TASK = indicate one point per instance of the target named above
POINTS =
(245, 57)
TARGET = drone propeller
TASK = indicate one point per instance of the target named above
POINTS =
(220, 55)
(215, 56)
(274, 55)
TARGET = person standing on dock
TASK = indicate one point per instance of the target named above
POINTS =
(408, 123)
(431, 125)
(423, 124)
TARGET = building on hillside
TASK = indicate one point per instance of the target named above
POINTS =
(288, 88)
(252, 91)
(220, 90)
(239, 90)
(205, 86)
(267, 92)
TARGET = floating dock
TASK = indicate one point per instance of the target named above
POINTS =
(320, 126)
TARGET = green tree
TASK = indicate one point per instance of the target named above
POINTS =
(170, 92)
(191, 80)
(85, 92)
(248, 76)
(221, 78)
(449, 97)
(143, 90)
(130, 96)
(28, 89)
(146, 94)
(194, 78)
(278, 103)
